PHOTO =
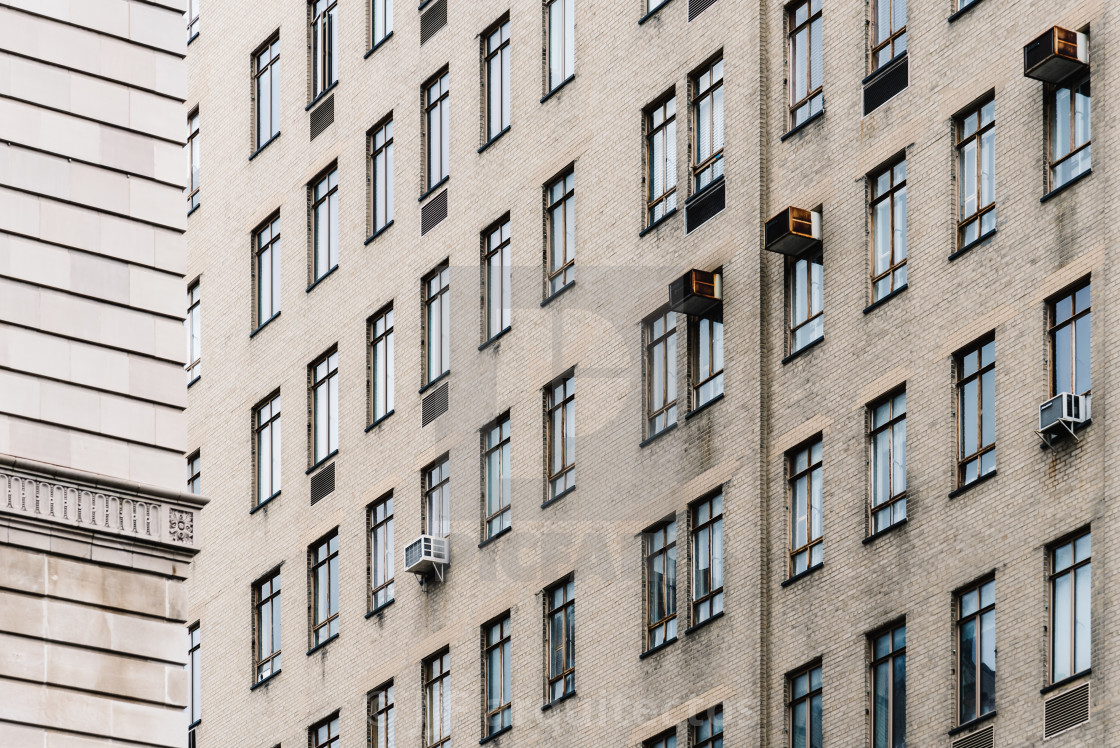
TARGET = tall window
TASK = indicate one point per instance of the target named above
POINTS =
(267, 427)
(381, 176)
(325, 734)
(381, 553)
(661, 154)
(661, 584)
(805, 286)
(267, 619)
(561, 41)
(806, 61)
(497, 269)
(194, 660)
(707, 558)
(437, 700)
(496, 74)
(707, 118)
(888, 230)
(1070, 318)
(193, 323)
(664, 740)
(437, 492)
(888, 462)
(382, 12)
(561, 205)
(561, 401)
(381, 364)
(495, 446)
(805, 708)
(268, 92)
(976, 651)
(266, 267)
(976, 173)
(437, 324)
(806, 548)
(976, 406)
(192, 20)
(324, 406)
(1071, 610)
(889, 38)
(707, 728)
(324, 224)
(324, 589)
(499, 673)
(324, 45)
(661, 372)
(437, 118)
(380, 716)
(560, 617)
(1070, 131)
(706, 358)
(888, 688)
(194, 473)
(194, 161)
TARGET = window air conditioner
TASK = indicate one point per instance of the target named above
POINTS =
(1056, 55)
(794, 232)
(1058, 415)
(425, 555)
(696, 293)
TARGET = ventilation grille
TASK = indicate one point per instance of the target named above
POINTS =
(432, 20)
(322, 117)
(434, 212)
(1068, 710)
(886, 84)
(434, 405)
(322, 483)
(983, 739)
(696, 7)
(703, 207)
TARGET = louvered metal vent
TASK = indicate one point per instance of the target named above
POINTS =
(434, 405)
(322, 117)
(982, 739)
(322, 483)
(885, 84)
(1070, 709)
(432, 20)
(703, 206)
(696, 7)
(434, 212)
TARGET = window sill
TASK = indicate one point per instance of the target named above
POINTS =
(974, 243)
(433, 188)
(884, 68)
(434, 382)
(495, 536)
(188, 44)
(701, 408)
(653, 12)
(377, 233)
(654, 650)
(650, 440)
(497, 734)
(265, 681)
(380, 608)
(657, 223)
(377, 46)
(697, 626)
(262, 325)
(494, 338)
(553, 92)
(320, 96)
(193, 209)
(876, 304)
(557, 497)
(379, 421)
(561, 290)
(322, 644)
(267, 143)
(972, 722)
(320, 279)
(958, 491)
(954, 17)
(875, 536)
(554, 702)
(192, 382)
(802, 574)
(807, 347)
(493, 140)
(798, 128)
(320, 463)
(1066, 681)
(263, 504)
(1054, 192)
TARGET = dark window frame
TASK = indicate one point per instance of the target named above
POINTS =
(895, 498)
(270, 410)
(193, 323)
(963, 380)
(267, 252)
(321, 554)
(1054, 574)
(560, 199)
(496, 46)
(315, 738)
(380, 143)
(194, 160)
(702, 87)
(896, 270)
(435, 299)
(713, 720)
(194, 472)
(436, 681)
(327, 202)
(329, 381)
(436, 99)
(660, 122)
(503, 646)
(498, 520)
(1074, 86)
(382, 376)
(380, 518)
(266, 592)
(974, 617)
(893, 653)
(323, 30)
(894, 38)
(800, 110)
(704, 604)
(661, 347)
(970, 130)
(271, 48)
(561, 409)
(1055, 327)
(437, 495)
(813, 716)
(560, 684)
(381, 712)
(659, 543)
(496, 245)
(808, 549)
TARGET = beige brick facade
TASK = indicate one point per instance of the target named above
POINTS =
(624, 486)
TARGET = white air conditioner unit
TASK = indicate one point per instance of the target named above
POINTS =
(426, 554)
(1058, 415)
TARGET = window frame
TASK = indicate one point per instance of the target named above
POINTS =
(659, 543)
(814, 303)
(560, 203)
(194, 472)
(324, 207)
(498, 520)
(975, 137)
(267, 254)
(892, 702)
(1054, 327)
(437, 495)
(704, 605)
(961, 620)
(667, 739)
(660, 124)
(1053, 575)
(497, 248)
(814, 97)
(702, 87)
(661, 347)
(380, 517)
(381, 712)
(193, 8)
(699, 376)
(272, 49)
(436, 301)
(564, 607)
(324, 45)
(896, 267)
(329, 381)
(386, 18)
(1073, 85)
(194, 667)
(496, 94)
(381, 163)
(813, 717)
(793, 476)
(890, 42)
(194, 161)
(962, 381)
(193, 323)
(329, 546)
(894, 498)
(562, 410)
(382, 375)
(714, 719)
(436, 686)
(438, 105)
(502, 646)
(331, 739)
(269, 597)
(270, 428)
(566, 27)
